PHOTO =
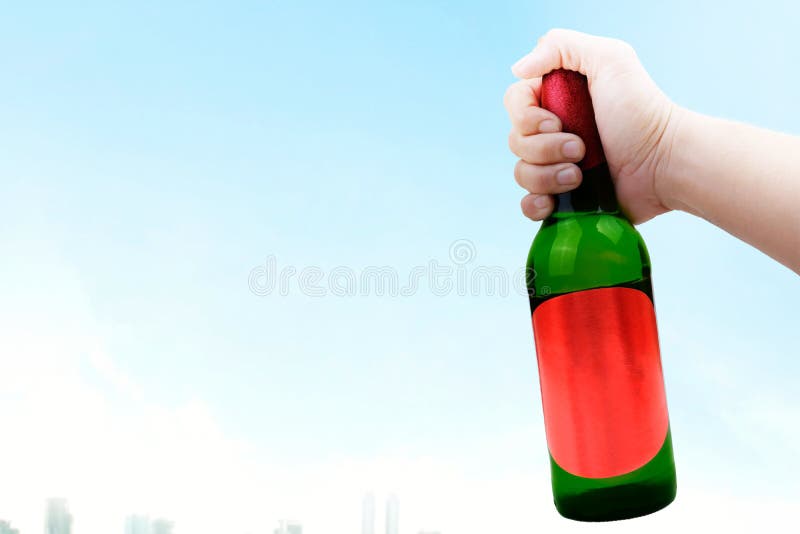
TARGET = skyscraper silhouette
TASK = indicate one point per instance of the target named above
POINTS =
(289, 527)
(141, 524)
(368, 514)
(137, 524)
(392, 514)
(58, 520)
(161, 526)
(5, 528)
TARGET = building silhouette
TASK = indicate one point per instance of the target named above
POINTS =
(368, 514)
(5, 528)
(161, 526)
(289, 527)
(141, 524)
(392, 514)
(57, 520)
(137, 524)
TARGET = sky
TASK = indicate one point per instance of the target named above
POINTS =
(156, 159)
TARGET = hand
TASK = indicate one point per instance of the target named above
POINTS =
(633, 117)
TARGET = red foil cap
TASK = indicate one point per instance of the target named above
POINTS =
(566, 94)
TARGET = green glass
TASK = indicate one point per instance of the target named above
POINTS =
(587, 243)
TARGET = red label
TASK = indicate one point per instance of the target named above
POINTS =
(605, 410)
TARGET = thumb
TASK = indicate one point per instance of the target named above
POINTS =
(571, 50)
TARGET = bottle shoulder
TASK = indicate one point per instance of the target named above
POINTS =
(588, 250)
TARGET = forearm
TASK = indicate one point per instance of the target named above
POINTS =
(745, 180)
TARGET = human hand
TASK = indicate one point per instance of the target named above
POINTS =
(633, 116)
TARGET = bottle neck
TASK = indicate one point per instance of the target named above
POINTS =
(594, 195)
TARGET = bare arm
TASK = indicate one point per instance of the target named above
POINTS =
(744, 179)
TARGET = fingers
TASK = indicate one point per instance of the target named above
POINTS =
(542, 181)
(522, 93)
(547, 179)
(547, 148)
(531, 120)
(571, 50)
(536, 207)
(522, 103)
(548, 156)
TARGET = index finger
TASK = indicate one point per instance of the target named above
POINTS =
(522, 94)
(522, 103)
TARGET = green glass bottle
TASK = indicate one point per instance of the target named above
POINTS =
(597, 349)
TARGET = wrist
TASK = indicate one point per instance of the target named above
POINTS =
(671, 166)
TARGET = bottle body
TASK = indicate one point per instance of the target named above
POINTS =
(599, 366)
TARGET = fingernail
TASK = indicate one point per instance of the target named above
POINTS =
(566, 176)
(541, 201)
(571, 149)
(548, 126)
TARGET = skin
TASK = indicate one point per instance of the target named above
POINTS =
(662, 157)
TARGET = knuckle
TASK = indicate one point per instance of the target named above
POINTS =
(534, 178)
(570, 57)
(525, 206)
(530, 210)
(552, 33)
(525, 174)
(512, 141)
(517, 144)
(519, 116)
(557, 35)
(622, 48)
(623, 45)
(518, 170)
(507, 96)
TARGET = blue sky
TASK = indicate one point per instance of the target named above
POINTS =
(151, 156)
